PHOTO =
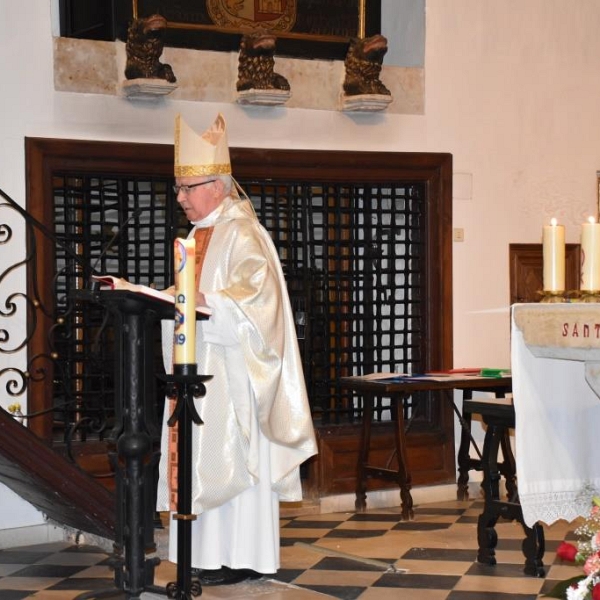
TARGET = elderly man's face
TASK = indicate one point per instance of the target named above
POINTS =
(199, 196)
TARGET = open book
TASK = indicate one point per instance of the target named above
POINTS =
(118, 283)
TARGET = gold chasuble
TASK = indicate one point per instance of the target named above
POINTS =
(256, 399)
(258, 426)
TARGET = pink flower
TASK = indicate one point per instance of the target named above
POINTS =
(566, 551)
(592, 564)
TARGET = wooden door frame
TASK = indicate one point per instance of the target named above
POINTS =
(46, 156)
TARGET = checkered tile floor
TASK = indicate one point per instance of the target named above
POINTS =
(366, 556)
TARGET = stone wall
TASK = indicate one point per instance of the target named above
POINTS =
(92, 67)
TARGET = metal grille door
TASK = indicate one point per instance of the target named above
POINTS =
(352, 254)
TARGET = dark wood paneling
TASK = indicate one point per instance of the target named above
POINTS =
(526, 262)
(89, 20)
(430, 458)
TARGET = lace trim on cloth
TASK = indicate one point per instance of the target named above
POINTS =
(550, 507)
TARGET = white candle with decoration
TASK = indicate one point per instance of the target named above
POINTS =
(185, 302)
(590, 255)
(553, 244)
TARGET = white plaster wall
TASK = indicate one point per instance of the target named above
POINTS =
(512, 91)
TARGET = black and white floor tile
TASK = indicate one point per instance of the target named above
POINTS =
(349, 556)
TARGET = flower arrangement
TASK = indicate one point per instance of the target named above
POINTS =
(587, 553)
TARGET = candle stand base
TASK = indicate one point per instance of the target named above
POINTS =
(554, 296)
(184, 385)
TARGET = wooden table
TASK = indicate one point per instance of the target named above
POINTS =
(398, 389)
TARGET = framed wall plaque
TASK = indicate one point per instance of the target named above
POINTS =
(304, 28)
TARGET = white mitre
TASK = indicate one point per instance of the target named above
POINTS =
(201, 155)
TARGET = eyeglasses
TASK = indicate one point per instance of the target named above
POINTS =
(186, 188)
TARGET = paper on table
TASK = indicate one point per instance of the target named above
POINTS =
(376, 376)
(383, 377)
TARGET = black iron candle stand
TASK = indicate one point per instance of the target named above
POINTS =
(184, 385)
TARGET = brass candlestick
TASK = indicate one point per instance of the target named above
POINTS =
(589, 295)
(553, 296)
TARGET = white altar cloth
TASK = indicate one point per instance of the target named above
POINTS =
(557, 413)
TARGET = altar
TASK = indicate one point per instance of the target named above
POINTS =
(555, 362)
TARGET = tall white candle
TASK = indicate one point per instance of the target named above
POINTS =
(185, 302)
(590, 255)
(553, 244)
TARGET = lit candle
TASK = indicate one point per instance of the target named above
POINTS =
(590, 255)
(185, 302)
(553, 244)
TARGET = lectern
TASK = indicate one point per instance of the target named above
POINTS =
(136, 437)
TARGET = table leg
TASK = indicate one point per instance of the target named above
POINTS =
(487, 537)
(533, 545)
(509, 468)
(360, 502)
(404, 478)
(463, 459)
(533, 548)
(401, 475)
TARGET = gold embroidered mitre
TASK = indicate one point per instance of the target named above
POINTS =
(206, 154)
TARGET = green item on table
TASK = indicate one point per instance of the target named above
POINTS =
(494, 372)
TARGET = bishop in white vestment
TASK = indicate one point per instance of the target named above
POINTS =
(257, 427)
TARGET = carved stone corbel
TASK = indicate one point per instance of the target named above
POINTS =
(257, 81)
(146, 76)
(362, 88)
